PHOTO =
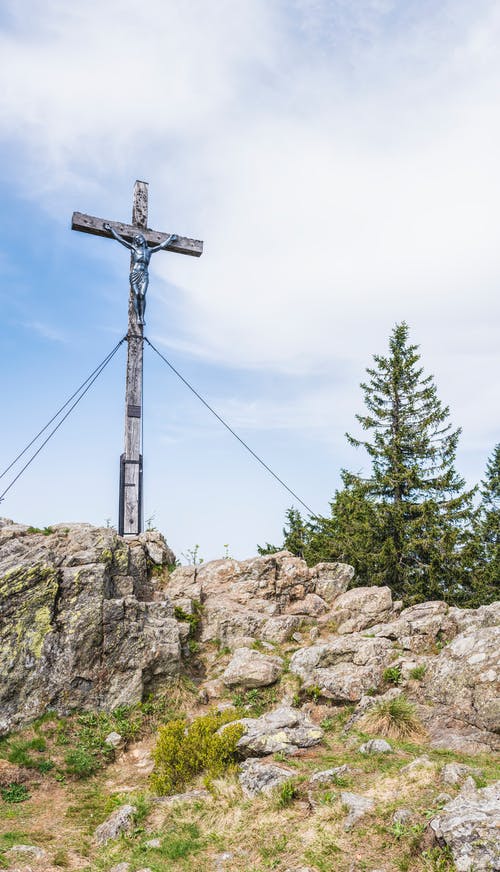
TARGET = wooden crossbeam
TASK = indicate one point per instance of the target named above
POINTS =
(95, 226)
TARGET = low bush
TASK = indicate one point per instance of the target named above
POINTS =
(184, 750)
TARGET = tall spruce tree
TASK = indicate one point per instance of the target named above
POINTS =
(423, 512)
(486, 576)
(407, 523)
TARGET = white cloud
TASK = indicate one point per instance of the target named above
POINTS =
(340, 160)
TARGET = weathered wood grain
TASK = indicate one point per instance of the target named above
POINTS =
(93, 225)
(140, 207)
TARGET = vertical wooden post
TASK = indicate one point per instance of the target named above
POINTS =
(130, 509)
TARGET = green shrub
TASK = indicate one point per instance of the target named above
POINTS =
(184, 750)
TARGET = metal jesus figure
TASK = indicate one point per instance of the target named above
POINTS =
(139, 271)
(142, 242)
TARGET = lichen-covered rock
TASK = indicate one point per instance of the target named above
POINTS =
(420, 627)
(454, 773)
(26, 852)
(331, 579)
(250, 668)
(360, 608)
(375, 746)
(119, 822)
(462, 684)
(329, 776)
(344, 668)
(311, 605)
(280, 628)
(253, 597)
(469, 826)
(257, 776)
(68, 638)
(358, 806)
(284, 729)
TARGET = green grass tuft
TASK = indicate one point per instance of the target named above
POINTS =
(395, 718)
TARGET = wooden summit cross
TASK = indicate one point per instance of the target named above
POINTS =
(130, 503)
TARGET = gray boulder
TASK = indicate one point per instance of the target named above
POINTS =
(284, 729)
(455, 773)
(461, 684)
(280, 628)
(360, 608)
(26, 852)
(329, 776)
(343, 668)
(250, 668)
(375, 746)
(119, 822)
(358, 806)
(257, 776)
(468, 825)
(253, 597)
(331, 579)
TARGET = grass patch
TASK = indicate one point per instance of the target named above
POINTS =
(181, 842)
(256, 701)
(15, 793)
(418, 672)
(394, 718)
(75, 746)
(92, 807)
(392, 675)
(185, 750)
(286, 793)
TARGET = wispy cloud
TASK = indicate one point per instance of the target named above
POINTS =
(46, 331)
(339, 159)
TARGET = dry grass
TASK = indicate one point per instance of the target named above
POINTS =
(395, 719)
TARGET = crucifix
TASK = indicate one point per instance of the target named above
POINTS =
(142, 243)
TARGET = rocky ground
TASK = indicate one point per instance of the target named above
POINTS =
(94, 624)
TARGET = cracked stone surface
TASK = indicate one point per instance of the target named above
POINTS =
(80, 628)
(469, 826)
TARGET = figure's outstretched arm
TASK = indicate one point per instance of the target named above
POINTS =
(116, 235)
(166, 242)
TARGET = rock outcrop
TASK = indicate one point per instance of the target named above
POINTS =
(80, 628)
(91, 621)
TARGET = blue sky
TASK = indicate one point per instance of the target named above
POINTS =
(340, 161)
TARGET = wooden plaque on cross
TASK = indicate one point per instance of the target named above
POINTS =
(130, 515)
